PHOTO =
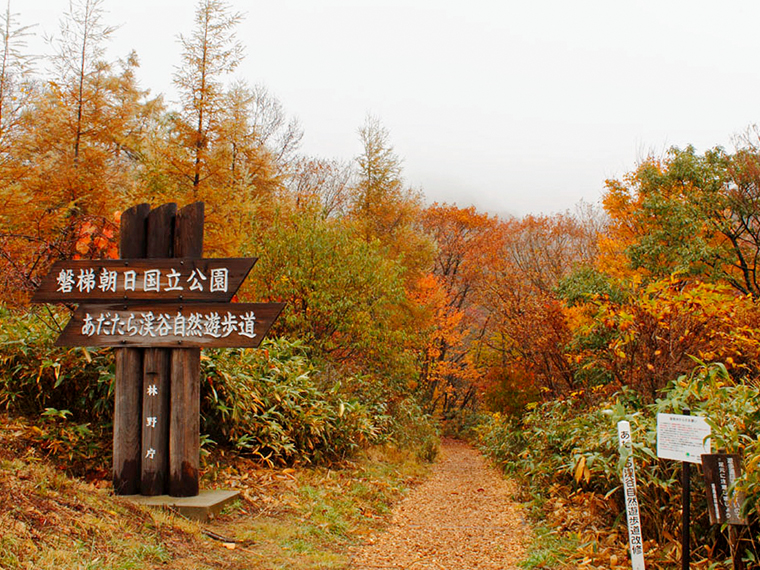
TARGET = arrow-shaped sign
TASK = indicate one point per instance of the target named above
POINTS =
(168, 280)
(206, 325)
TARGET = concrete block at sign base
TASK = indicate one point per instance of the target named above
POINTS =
(199, 508)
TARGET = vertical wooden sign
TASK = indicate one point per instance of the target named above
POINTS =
(129, 365)
(155, 381)
(720, 471)
(163, 302)
(635, 541)
(184, 429)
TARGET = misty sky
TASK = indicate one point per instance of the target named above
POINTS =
(515, 107)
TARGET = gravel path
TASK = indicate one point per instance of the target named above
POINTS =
(462, 518)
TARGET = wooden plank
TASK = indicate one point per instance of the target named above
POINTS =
(156, 384)
(128, 373)
(138, 280)
(201, 325)
(160, 230)
(720, 471)
(184, 430)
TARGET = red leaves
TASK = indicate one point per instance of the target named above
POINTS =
(96, 239)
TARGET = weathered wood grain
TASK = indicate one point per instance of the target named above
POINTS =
(127, 402)
(184, 430)
(156, 384)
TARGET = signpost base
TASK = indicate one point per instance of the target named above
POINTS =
(202, 507)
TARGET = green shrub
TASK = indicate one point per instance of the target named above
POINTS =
(267, 403)
(272, 403)
(36, 375)
(572, 444)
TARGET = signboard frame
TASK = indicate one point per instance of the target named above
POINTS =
(682, 437)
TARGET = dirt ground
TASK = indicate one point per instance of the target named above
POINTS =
(462, 518)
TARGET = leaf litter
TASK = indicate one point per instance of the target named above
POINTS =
(464, 517)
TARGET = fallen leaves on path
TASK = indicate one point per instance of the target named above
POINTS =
(462, 518)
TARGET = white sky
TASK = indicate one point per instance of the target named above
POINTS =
(515, 107)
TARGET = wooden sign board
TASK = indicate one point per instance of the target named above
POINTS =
(720, 471)
(139, 280)
(162, 294)
(204, 325)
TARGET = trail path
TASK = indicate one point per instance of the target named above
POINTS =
(462, 518)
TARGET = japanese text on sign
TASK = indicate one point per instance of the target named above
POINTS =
(635, 541)
(157, 325)
(156, 280)
(87, 280)
(209, 325)
(682, 438)
(724, 501)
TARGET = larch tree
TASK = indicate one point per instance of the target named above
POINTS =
(383, 208)
(213, 148)
(79, 50)
(209, 54)
(379, 197)
(73, 150)
(15, 75)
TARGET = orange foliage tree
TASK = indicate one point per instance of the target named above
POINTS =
(688, 214)
(69, 161)
(661, 331)
(450, 377)
(528, 329)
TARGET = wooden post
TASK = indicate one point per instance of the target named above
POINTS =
(155, 385)
(184, 431)
(145, 301)
(128, 373)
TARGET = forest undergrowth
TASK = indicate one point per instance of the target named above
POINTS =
(286, 517)
(567, 453)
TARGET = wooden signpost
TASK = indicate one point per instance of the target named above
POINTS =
(721, 470)
(158, 306)
(724, 501)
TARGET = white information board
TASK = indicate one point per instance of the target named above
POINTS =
(635, 541)
(682, 438)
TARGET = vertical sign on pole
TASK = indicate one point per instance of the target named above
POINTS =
(683, 438)
(155, 380)
(635, 541)
(721, 470)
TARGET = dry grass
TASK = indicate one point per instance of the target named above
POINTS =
(296, 519)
